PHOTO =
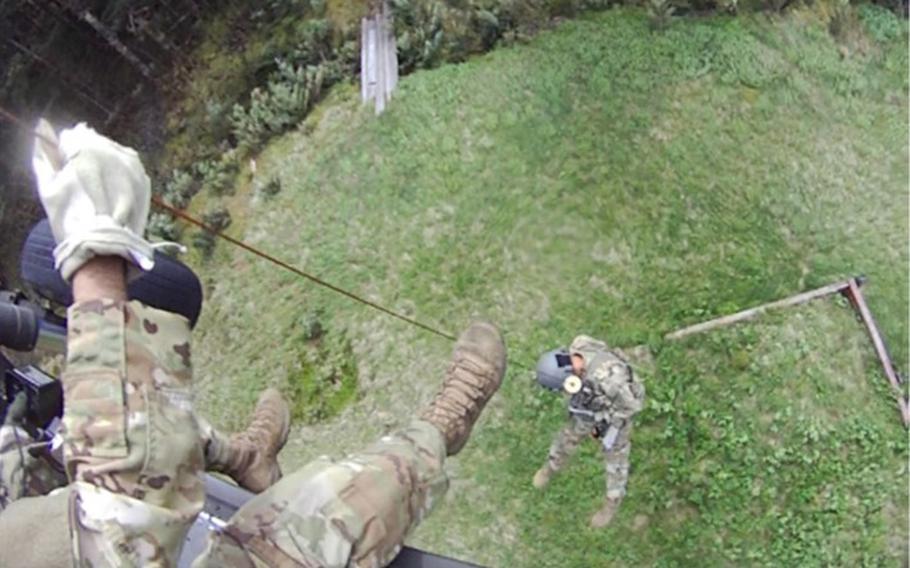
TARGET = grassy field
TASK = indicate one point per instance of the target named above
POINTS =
(608, 180)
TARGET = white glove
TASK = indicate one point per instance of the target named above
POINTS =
(96, 195)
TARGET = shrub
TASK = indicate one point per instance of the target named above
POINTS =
(285, 101)
(418, 25)
(844, 25)
(314, 44)
(881, 24)
(204, 242)
(162, 227)
(180, 188)
(218, 218)
(270, 188)
(660, 13)
(217, 120)
(325, 379)
(218, 175)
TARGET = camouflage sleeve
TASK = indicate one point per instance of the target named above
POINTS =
(627, 402)
(132, 446)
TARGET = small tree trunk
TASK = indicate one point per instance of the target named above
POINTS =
(111, 38)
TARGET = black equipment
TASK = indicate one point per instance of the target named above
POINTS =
(18, 324)
(170, 286)
(43, 395)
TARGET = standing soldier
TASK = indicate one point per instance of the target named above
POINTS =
(605, 396)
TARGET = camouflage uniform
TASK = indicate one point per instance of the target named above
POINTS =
(353, 512)
(22, 474)
(131, 441)
(133, 452)
(620, 397)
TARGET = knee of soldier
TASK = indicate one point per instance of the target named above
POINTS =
(42, 523)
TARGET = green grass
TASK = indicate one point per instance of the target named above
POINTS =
(325, 381)
(607, 180)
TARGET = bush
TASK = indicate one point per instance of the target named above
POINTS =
(325, 379)
(844, 25)
(217, 121)
(881, 24)
(270, 188)
(418, 26)
(285, 101)
(180, 189)
(660, 13)
(218, 175)
(162, 227)
(204, 242)
(218, 219)
(314, 44)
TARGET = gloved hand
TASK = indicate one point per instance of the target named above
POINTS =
(96, 195)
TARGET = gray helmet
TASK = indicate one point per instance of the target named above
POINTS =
(553, 368)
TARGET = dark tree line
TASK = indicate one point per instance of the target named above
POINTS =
(110, 63)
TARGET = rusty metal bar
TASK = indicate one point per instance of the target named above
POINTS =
(855, 295)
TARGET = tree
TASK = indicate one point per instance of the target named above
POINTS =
(110, 37)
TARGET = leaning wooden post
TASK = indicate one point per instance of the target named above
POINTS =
(851, 289)
(859, 302)
(758, 310)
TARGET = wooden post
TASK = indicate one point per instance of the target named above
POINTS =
(859, 302)
(378, 58)
(851, 289)
(758, 310)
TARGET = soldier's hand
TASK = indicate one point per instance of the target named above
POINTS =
(96, 195)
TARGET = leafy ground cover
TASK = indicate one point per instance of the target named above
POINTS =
(608, 180)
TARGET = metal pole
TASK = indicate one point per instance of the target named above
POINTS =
(859, 302)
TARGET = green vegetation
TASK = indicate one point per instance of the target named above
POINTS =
(620, 182)
(325, 380)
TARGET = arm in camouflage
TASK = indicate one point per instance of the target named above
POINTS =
(132, 446)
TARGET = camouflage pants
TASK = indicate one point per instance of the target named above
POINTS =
(21, 474)
(353, 512)
(134, 455)
(616, 460)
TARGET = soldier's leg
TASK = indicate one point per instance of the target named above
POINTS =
(250, 457)
(566, 442)
(616, 465)
(34, 532)
(21, 473)
(359, 510)
(564, 445)
(355, 511)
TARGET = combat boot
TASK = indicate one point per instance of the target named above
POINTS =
(250, 457)
(475, 373)
(543, 475)
(605, 515)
